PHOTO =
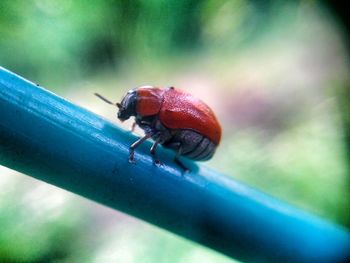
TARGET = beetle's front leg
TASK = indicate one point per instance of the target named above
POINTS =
(135, 145)
(132, 128)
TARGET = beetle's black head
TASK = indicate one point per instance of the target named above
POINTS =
(127, 107)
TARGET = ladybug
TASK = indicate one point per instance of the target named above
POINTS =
(172, 118)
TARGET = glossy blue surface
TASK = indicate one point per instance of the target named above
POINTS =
(51, 139)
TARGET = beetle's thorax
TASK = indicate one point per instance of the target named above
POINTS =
(150, 100)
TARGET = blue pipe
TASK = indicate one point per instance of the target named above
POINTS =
(53, 140)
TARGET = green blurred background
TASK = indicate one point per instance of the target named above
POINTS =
(275, 72)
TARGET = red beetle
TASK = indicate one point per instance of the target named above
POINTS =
(172, 118)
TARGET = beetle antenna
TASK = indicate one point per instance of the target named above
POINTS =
(105, 100)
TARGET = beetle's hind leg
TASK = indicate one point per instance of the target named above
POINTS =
(177, 160)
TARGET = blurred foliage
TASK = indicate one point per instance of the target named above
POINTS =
(75, 38)
(276, 73)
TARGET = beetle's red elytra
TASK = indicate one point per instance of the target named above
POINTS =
(172, 118)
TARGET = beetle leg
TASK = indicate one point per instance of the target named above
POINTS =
(132, 128)
(177, 160)
(135, 145)
(153, 151)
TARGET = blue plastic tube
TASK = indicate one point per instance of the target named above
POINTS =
(53, 140)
